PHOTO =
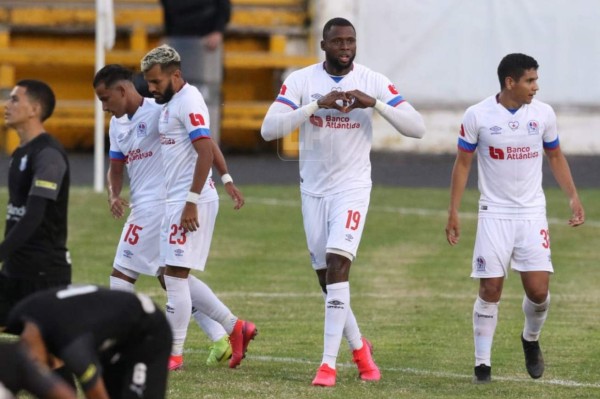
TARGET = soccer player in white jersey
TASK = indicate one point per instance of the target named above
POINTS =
(511, 132)
(333, 103)
(192, 202)
(135, 145)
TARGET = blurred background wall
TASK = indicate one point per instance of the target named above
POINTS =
(443, 54)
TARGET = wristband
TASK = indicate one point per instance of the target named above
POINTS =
(193, 197)
(310, 109)
(226, 178)
(379, 105)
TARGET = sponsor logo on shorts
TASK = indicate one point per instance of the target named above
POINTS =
(480, 263)
(349, 237)
(128, 254)
(179, 252)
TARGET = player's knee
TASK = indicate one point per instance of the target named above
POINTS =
(538, 295)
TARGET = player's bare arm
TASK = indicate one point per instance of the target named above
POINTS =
(189, 215)
(114, 179)
(562, 173)
(460, 175)
(221, 165)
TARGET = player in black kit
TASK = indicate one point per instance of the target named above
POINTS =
(34, 252)
(116, 343)
(19, 371)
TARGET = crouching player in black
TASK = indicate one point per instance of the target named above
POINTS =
(116, 343)
(20, 372)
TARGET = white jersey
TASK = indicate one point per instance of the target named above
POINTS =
(511, 148)
(335, 146)
(183, 120)
(136, 142)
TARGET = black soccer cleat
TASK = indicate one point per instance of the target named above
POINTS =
(534, 361)
(482, 374)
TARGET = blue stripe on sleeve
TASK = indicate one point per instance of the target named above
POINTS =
(201, 133)
(395, 101)
(286, 102)
(553, 145)
(116, 155)
(467, 147)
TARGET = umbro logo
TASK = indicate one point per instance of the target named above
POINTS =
(335, 304)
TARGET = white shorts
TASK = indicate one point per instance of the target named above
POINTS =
(189, 249)
(524, 244)
(334, 223)
(139, 247)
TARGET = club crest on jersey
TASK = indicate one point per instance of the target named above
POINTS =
(142, 129)
(23, 163)
(533, 127)
(514, 125)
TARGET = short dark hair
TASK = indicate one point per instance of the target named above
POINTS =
(40, 92)
(335, 22)
(515, 65)
(111, 74)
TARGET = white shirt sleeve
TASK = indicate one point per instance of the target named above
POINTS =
(281, 120)
(403, 117)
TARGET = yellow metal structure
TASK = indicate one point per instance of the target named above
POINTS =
(54, 42)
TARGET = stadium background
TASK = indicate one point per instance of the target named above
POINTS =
(441, 54)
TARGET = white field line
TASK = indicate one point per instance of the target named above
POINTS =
(403, 211)
(410, 370)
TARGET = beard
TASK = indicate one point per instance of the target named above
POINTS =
(166, 96)
(335, 63)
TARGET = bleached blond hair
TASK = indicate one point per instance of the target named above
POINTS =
(164, 55)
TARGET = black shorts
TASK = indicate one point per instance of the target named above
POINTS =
(12, 290)
(142, 368)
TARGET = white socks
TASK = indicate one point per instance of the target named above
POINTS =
(179, 310)
(118, 284)
(337, 306)
(535, 316)
(485, 319)
(205, 301)
(351, 330)
(211, 328)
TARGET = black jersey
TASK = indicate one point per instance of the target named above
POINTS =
(19, 371)
(88, 327)
(39, 168)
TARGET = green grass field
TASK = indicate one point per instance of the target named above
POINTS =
(410, 292)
